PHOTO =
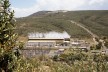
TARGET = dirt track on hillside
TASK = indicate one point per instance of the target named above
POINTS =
(82, 26)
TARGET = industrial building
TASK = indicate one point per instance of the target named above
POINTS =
(49, 39)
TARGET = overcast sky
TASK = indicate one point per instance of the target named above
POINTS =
(26, 7)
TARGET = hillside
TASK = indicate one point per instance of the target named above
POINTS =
(43, 21)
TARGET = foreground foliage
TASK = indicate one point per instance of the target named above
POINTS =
(8, 57)
(70, 61)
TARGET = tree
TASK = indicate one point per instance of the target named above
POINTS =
(7, 36)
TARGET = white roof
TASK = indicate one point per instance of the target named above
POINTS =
(49, 35)
(39, 41)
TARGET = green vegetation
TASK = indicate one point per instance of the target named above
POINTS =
(49, 24)
(8, 58)
(42, 21)
(96, 21)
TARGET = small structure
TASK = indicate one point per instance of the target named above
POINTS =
(80, 44)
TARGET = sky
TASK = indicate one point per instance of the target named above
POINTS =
(26, 7)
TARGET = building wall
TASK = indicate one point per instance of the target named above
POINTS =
(38, 44)
(41, 40)
(44, 42)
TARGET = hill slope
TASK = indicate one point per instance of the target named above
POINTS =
(43, 21)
